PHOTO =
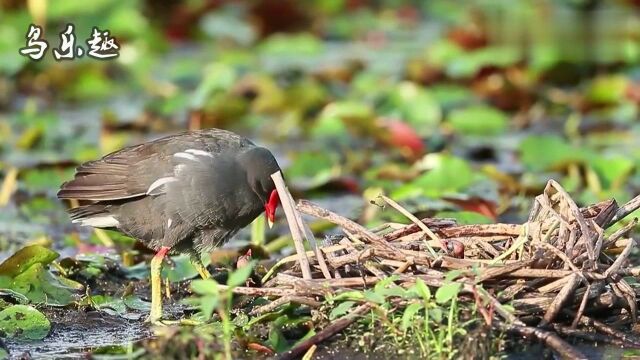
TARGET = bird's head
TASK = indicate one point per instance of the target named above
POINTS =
(260, 164)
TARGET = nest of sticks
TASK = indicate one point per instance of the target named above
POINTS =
(559, 271)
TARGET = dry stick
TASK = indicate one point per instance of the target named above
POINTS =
(284, 300)
(550, 339)
(617, 264)
(563, 296)
(416, 221)
(498, 271)
(289, 210)
(606, 329)
(242, 290)
(583, 305)
(308, 235)
(620, 233)
(335, 327)
(624, 210)
(347, 225)
(312, 240)
(590, 336)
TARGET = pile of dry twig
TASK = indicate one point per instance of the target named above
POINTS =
(559, 271)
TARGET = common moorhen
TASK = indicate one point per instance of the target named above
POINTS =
(185, 193)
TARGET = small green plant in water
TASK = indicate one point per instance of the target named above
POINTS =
(213, 297)
(409, 318)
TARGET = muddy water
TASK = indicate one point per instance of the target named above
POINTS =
(74, 334)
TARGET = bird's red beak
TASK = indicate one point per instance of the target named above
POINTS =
(270, 207)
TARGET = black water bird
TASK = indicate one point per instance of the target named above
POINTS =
(185, 193)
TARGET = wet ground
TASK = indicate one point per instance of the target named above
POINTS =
(76, 334)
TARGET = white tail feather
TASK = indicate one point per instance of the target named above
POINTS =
(104, 221)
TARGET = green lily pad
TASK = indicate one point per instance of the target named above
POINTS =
(24, 322)
(24, 258)
(612, 170)
(548, 152)
(478, 120)
(41, 286)
(447, 175)
(181, 270)
(311, 169)
(415, 105)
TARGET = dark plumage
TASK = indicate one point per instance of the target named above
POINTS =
(188, 192)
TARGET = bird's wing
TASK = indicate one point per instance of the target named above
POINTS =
(145, 169)
(125, 174)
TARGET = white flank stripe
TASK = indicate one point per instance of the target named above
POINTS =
(98, 221)
(156, 184)
(169, 223)
(185, 155)
(199, 152)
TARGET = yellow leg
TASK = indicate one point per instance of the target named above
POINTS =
(202, 270)
(156, 285)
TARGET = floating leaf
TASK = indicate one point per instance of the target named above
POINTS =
(24, 322)
(414, 104)
(25, 257)
(40, 286)
(446, 175)
(607, 89)
(135, 303)
(465, 217)
(611, 170)
(181, 270)
(547, 152)
(478, 120)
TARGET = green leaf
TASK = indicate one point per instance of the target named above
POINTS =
(549, 152)
(415, 105)
(181, 270)
(351, 295)
(208, 304)
(607, 89)
(40, 286)
(24, 322)
(341, 309)
(423, 290)
(453, 274)
(240, 276)
(109, 304)
(374, 297)
(465, 217)
(293, 45)
(205, 287)
(611, 170)
(133, 302)
(478, 120)
(446, 175)
(409, 314)
(25, 257)
(380, 285)
(436, 314)
(447, 292)
(311, 169)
